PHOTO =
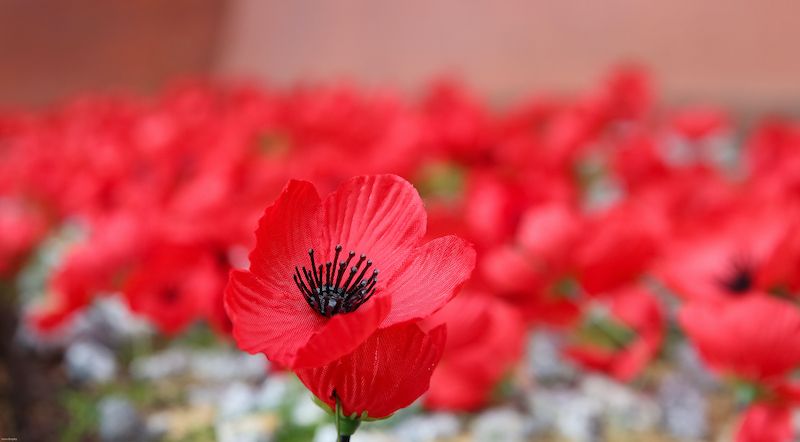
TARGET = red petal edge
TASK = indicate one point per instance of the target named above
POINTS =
(430, 279)
(386, 373)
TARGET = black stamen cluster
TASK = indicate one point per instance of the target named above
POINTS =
(324, 289)
(740, 278)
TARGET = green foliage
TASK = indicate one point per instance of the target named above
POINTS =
(441, 180)
(82, 415)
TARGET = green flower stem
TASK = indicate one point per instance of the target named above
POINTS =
(345, 426)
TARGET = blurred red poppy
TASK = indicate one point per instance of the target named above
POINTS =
(484, 341)
(641, 312)
(756, 337)
(766, 423)
(617, 247)
(175, 285)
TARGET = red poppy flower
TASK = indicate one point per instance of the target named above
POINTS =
(90, 268)
(387, 372)
(326, 274)
(459, 124)
(475, 358)
(641, 312)
(779, 270)
(756, 337)
(766, 423)
(699, 122)
(617, 247)
(532, 288)
(637, 162)
(547, 234)
(726, 259)
(492, 208)
(628, 92)
(527, 274)
(175, 285)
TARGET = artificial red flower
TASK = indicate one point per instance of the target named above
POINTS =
(533, 290)
(765, 422)
(772, 161)
(640, 311)
(530, 273)
(175, 285)
(779, 269)
(617, 247)
(492, 208)
(90, 267)
(628, 92)
(326, 274)
(476, 357)
(637, 161)
(756, 337)
(699, 122)
(459, 125)
(548, 233)
(387, 372)
(726, 259)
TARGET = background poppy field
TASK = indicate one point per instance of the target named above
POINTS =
(637, 236)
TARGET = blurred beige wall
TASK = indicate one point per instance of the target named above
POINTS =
(737, 52)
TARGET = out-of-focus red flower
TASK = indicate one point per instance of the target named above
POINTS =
(518, 279)
(771, 158)
(617, 247)
(637, 162)
(387, 372)
(780, 269)
(548, 233)
(756, 337)
(94, 266)
(485, 339)
(363, 133)
(688, 199)
(175, 285)
(725, 259)
(307, 299)
(764, 422)
(641, 312)
(628, 93)
(492, 208)
(528, 273)
(699, 122)
(458, 125)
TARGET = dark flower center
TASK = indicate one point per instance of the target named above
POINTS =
(170, 294)
(330, 289)
(740, 278)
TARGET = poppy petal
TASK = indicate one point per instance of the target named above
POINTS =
(381, 216)
(275, 324)
(285, 233)
(429, 279)
(343, 333)
(757, 337)
(387, 372)
(765, 423)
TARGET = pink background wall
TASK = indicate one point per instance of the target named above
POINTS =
(736, 52)
(739, 52)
